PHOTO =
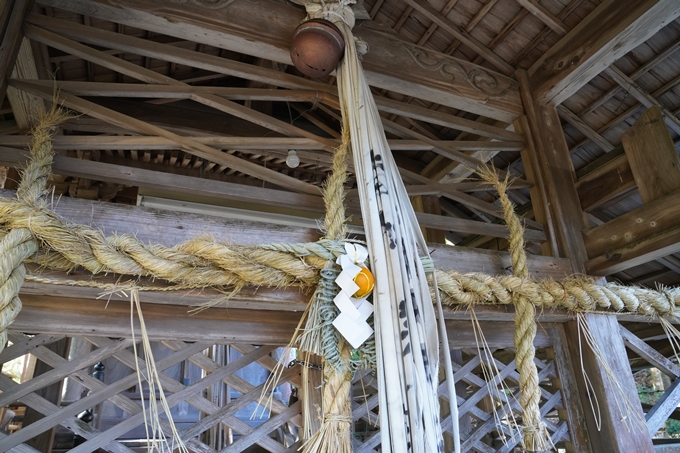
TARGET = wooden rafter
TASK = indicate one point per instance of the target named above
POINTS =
(389, 65)
(609, 32)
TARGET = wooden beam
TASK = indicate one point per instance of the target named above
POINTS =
(610, 432)
(163, 322)
(26, 108)
(644, 98)
(113, 142)
(80, 168)
(148, 76)
(558, 174)
(444, 23)
(658, 414)
(649, 354)
(391, 64)
(186, 143)
(10, 43)
(652, 156)
(644, 251)
(168, 228)
(538, 192)
(610, 31)
(609, 180)
(648, 221)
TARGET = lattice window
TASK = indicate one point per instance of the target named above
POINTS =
(479, 427)
(213, 390)
(190, 378)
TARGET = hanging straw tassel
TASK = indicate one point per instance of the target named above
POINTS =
(335, 434)
(407, 344)
(536, 437)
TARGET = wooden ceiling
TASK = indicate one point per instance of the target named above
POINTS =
(168, 92)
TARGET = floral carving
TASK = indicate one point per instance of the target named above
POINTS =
(485, 81)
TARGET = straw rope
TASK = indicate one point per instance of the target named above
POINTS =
(19, 244)
(335, 434)
(536, 437)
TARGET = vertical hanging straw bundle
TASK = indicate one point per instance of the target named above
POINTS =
(536, 437)
(406, 327)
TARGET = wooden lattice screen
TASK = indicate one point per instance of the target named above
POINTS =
(476, 400)
(210, 421)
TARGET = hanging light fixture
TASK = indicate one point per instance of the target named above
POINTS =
(292, 160)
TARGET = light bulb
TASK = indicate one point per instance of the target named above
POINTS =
(292, 160)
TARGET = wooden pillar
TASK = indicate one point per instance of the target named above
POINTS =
(557, 174)
(555, 169)
(12, 16)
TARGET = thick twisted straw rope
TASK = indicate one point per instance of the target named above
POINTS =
(536, 437)
(19, 244)
(335, 434)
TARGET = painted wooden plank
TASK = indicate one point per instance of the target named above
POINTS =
(613, 435)
(391, 64)
(649, 354)
(610, 31)
(651, 154)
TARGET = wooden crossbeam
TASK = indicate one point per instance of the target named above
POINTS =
(390, 64)
(149, 76)
(644, 233)
(186, 143)
(658, 414)
(114, 142)
(649, 354)
(613, 29)
(14, 12)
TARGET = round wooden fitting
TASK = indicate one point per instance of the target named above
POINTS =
(318, 46)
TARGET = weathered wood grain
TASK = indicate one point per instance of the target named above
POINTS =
(391, 64)
(611, 434)
(613, 29)
(651, 154)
